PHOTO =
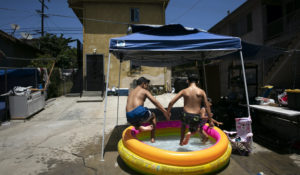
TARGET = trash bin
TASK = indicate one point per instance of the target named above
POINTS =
(293, 98)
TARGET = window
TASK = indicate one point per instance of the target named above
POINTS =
(134, 68)
(134, 15)
(292, 6)
(275, 20)
(242, 26)
(249, 22)
(274, 13)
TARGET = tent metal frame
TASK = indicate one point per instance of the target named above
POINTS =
(105, 103)
(192, 53)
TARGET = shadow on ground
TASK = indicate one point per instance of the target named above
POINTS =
(115, 136)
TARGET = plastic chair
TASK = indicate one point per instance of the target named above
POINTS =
(241, 139)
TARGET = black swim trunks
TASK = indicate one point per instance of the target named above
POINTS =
(193, 120)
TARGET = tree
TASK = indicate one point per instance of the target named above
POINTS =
(57, 47)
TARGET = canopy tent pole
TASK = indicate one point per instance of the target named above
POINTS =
(6, 97)
(119, 91)
(245, 83)
(204, 77)
(105, 105)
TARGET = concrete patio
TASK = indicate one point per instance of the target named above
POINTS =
(65, 138)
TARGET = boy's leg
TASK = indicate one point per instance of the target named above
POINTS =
(153, 123)
(145, 128)
(203, 135)
(182, 131)
(186, 138)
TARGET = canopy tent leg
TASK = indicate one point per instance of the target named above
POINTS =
(6, 97)
(105, 105)
(246, 91)
(119, 91)
(204, 77)
(245, 83)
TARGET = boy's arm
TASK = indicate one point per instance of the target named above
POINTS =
(216, 122)
(173, 101)
(203, 112)
(207, 108)
(157, 104)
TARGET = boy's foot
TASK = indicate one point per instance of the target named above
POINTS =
(204, 139)
(186, 139)
(152, 140)
(146, 128)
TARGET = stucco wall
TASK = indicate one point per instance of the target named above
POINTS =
(256, 35)
(97, 34)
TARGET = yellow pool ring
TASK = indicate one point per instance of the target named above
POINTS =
(149, 167)
(192, 158)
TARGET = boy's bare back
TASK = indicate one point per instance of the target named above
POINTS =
(136, 98)
(193, 97)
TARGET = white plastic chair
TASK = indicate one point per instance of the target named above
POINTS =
(241, 139)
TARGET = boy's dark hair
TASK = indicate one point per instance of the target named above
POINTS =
(193, 78)
(142, 80)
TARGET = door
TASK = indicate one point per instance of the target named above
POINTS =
(94, 73)
(213, 82)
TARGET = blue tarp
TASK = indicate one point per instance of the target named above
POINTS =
(18, 72)
(171, 45)
(18, 77)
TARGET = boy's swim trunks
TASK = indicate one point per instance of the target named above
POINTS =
(138, 115)
(193, 120)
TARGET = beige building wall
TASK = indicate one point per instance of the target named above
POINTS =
(112, 19)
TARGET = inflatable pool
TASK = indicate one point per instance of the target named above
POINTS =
(147, 159)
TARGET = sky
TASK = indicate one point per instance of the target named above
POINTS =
(191, 13)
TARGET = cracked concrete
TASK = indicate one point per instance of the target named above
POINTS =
(50, 137)
(56, 137)
(65, 138)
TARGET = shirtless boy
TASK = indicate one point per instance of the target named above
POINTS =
(193, 97)
(136, 113)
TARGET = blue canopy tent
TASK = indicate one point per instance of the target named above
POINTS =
(170, 45)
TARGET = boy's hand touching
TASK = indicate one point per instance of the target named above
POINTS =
(167, 115)
(211, 124)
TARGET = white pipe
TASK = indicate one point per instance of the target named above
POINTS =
(105, 104)
(119, 92)
(204, 77)
(245, 83)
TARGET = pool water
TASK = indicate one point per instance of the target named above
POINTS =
(171, 143)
